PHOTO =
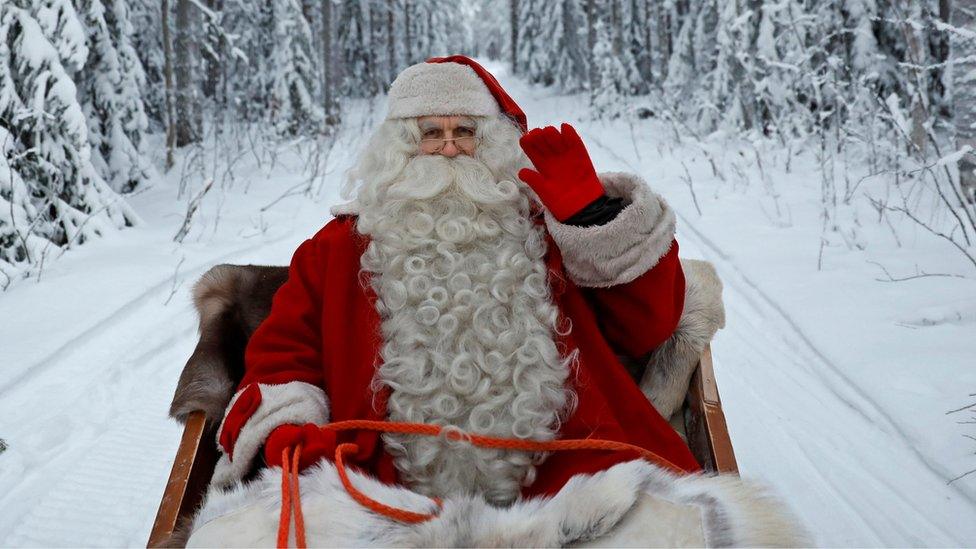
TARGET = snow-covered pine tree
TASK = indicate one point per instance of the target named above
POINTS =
(488, 25)
(353, 49)
(626, 39)
(50, 191)
(293, 78)
(607, 97)
(531, 55)
(681, 72)
(730, 100)
(568, 55)
(146, 41)
(110, 88)
(636, 38)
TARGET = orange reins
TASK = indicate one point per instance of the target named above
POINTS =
(291, 499)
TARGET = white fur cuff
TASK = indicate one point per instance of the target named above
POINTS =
(294, 402)
(626, 247)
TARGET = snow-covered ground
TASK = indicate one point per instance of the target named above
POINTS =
(836, 385)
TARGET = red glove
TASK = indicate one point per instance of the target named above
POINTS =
(565, 181)
(317, 443)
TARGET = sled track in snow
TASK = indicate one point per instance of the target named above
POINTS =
(121, 314)
(105, 481)
(107, 463)
(838, 382)
(869, 410)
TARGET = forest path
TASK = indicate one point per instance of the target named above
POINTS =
(84, 410)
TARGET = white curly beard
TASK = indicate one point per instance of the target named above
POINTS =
(468, 324)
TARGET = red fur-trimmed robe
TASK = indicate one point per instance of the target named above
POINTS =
(314, 356)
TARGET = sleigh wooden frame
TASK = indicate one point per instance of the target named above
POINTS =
(704, 425)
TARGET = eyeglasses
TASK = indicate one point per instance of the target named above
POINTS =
(467, 144)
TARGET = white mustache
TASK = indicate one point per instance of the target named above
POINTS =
(429, 176)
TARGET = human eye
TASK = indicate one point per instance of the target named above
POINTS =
(431, 133)
(464, 131)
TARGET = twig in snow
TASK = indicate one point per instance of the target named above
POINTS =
(633, 139)
(967, 407)
(918, 274)
(172, 290)
(967, 473)
(687, 179)
(298, 188)
(940, 234)
(191, 209)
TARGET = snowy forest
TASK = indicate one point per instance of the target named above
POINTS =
(821, 154)
(84, 83)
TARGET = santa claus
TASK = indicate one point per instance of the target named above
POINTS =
(483, 278)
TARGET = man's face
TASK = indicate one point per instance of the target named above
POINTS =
(447, 135)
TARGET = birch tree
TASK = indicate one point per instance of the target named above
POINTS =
(964, 90)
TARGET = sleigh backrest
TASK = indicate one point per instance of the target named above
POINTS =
(232, 301)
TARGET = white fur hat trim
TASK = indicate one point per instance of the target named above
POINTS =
(440, 89)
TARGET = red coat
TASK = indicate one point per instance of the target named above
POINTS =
(324, 326)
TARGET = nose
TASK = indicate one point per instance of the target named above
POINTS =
(450, 150)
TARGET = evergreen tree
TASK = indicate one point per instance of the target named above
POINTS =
(293, 78)
(111, 95)
(568, 53)
(51, 186)
(353, 49)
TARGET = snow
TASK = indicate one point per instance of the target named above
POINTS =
(836, 382)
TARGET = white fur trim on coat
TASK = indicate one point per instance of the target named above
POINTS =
(624, 248)
(633, 504)
(441, 89)
(670, 366)
(293, 402)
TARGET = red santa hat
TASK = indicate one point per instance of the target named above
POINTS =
(445, 86)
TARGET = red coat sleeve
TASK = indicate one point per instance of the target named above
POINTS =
(639, 315)
(287, 345)
(284, 375)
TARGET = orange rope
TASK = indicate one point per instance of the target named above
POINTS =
(289, 477)
(401, 515)
(291, 498)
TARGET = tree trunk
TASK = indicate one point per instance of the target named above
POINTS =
(390, 39)
(187, 50)
(964, 93)
(407, 34)
(591, 16)
(211, 84)
(514, 28)
(328, 78)
(916, 56)
(664, 33)
(168, 83)
(616, 28)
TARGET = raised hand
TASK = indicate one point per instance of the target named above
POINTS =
(564, 177)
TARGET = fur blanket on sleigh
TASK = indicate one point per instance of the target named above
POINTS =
(633, 504)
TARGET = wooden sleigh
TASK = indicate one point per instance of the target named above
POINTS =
(702, 422)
